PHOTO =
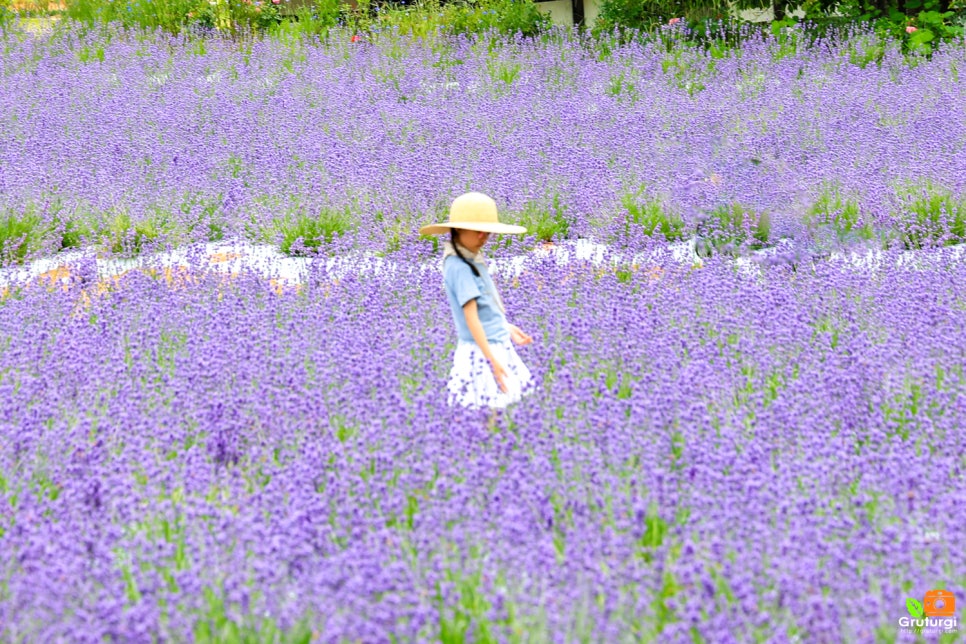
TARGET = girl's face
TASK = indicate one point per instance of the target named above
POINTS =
(473, 240)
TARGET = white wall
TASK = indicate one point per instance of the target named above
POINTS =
(591, 9)
(561, 12)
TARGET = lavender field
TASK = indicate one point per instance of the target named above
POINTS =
(129, 141)
(712, 454)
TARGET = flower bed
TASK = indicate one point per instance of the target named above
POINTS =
(719, 449)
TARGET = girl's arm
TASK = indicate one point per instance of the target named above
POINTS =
(476, 330)
(518, 336)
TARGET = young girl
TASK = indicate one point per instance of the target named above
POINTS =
(487, 372)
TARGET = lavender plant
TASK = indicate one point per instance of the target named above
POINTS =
(711, 455)
(223, 139)
(841, 213)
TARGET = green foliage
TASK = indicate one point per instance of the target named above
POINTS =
(312, 231)
(624, 15)
(840, 213)
(125, 235)
(622, 87)
(7, 14)
(707, 21)
(652, 538)
(685, 68)
(429, 18)
(74, 233)
(20, 234)
(920, 31)
(503, 72)
(652, 216)
(507, 17)
(169, 15)
(465, 612)
(789, 41)
(203, 217)
(901, 409)
(545, 221)
(313, 19)
(917, 24)
(865, 50)
(632, 17)
(215, 625)
(88, 55)
(930, 215)
(731, 226)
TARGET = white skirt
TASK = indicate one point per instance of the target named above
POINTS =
(471, 380)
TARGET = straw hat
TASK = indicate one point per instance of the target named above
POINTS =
(473, 211)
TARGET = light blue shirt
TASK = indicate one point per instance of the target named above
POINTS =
(461, 287)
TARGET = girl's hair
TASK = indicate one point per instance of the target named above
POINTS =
(454, 236)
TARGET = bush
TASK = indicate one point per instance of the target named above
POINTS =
(732, 226)
(506, 17)
(652, 217)
(316, 19)
(7, 15)
(304, 234)
(169, 15)
(931, 215)
(174, 16)
(20, 234)
(74, 233)
(840, 213)
(701, 17)
(624, 15)
(127, 236)
(544, 221)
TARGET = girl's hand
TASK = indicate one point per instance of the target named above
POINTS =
(500, 374)
(518, 336)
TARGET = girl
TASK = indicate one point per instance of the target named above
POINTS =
(484, 334)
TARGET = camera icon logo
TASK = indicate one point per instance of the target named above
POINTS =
(939, 603)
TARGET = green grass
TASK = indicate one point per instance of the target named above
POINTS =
(841, 213)
(169, 15)
(74, 233)
(215, 626)
(20, 234)
(653, 217)
(53, 227)
(124, 235)
(930, 215)
(731, 226)
(547, 222)
(207, 221)
(502, 74)
(312, 231)
(464, 612)
(314, 19)
(623, 87)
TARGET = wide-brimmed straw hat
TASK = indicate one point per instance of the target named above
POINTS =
(473, 211)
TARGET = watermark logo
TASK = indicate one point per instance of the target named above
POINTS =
(939, 603)
(935, 614)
